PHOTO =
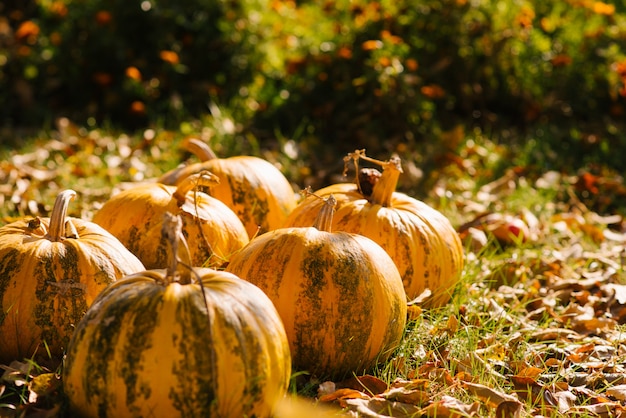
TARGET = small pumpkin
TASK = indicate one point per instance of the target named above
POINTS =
(421, 240)
(340, 295)
(135, 217)
(252, 187)
(178, 342)
(51, 270)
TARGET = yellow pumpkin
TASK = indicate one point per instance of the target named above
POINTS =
(178, 342)
(51, 270)
(421, 240)
(135, 217)
(252, 187)
(340, 295)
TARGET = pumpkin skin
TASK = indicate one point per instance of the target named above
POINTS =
(252, 187)
(135, 217)
(156, 342)
(51, 270)
(340, 296)
(421, 240)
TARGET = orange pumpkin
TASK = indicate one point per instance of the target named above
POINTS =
(178, 342)
(252, 187)
(51, 270)
(340, 295)
(135, 217)
(421, 240)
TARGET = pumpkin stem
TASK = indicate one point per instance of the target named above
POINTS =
(58, 217)
(324, 219)
(173, 231)
(384, 186)
(354, 157)
(200, 149)
(203, 178)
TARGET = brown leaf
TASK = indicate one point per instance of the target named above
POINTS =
(367, 383)
(509, 409)
(406, 395)
(448, 406)
(378, 408)
(618, 392)
(488, 395)
(342, 394)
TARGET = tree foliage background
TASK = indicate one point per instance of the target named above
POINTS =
(371, 74)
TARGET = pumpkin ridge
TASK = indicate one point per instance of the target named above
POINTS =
(13, 263)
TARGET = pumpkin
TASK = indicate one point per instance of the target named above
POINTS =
(135, 217)
(178, 342)
(51, 270)
(252, 187)
(340, 295)
(421, 240)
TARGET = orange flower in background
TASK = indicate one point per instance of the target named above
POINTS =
(602, 8)
(27, 31)
(58, 8)
(433, 91)
(620, 68)
(133, 73)
(138, 107)
(525, 17)
(411, 64)
(344, 52)
(371, 45)
(387, 36)
(169, 56)
(103, 18)
(384, 61)
(561, 60)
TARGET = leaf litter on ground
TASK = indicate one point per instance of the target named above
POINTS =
(536, 326)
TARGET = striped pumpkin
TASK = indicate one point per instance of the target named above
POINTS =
(51, 270)
(179, 342)
(135, 217)
(252, 187)
(421, 240)
(340, 295)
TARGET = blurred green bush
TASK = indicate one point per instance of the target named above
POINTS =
(354, 72)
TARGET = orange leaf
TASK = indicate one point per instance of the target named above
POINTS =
(28, 30)
(133, 73)
(341, 394)
(169, 56)
(371, 45)
(103, 17)
(366, 383)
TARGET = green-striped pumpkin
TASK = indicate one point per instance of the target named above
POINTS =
(135, 217)
(178, 343)
(340, 295)
(421, 240)
(51, 270)
(252, 187)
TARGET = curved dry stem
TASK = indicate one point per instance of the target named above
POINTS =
(58, 216)
(172, 230)
(200, 149)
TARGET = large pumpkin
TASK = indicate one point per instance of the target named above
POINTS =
(51, 270)
(252, 187)
(181, 342)
(421, 240)
(135, 217)
(340, 295)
